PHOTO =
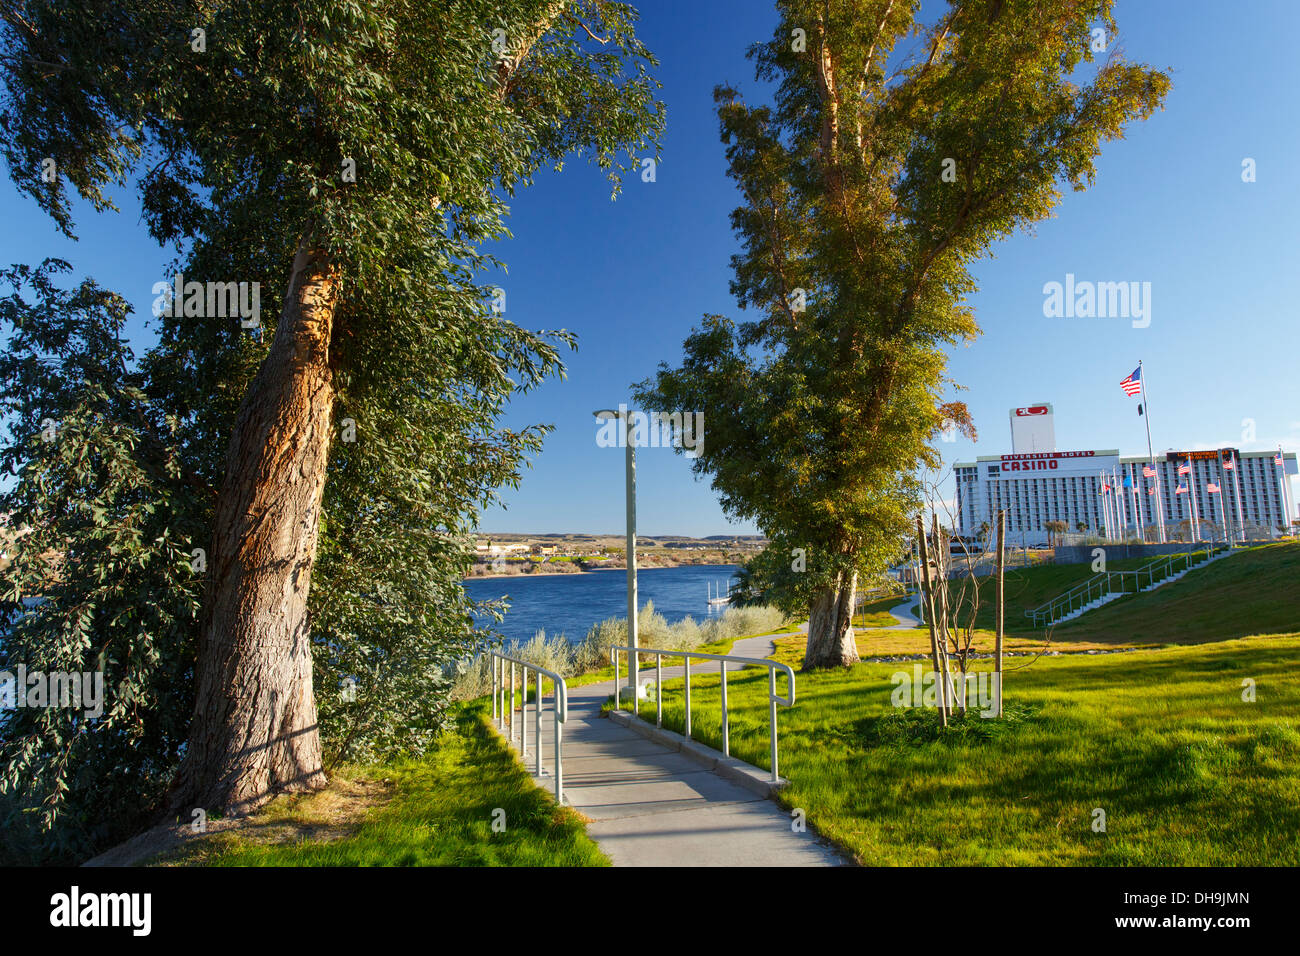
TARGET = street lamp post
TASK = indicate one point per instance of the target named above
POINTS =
(632, 674)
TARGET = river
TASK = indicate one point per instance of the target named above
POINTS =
(571, 603)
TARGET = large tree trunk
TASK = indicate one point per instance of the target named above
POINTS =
(830, 626)
(254, 732)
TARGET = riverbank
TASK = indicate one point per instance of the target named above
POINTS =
(531, 567)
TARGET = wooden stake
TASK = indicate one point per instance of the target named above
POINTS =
(927, 601)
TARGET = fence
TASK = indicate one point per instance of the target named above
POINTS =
(723, 660)
(503, 711)
(1115, 582)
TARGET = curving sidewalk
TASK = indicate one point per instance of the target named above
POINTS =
(652, 805)
(902, 614)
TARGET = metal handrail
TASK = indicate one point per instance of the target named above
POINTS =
(504, 716)
(723, 659)
(1065, 603)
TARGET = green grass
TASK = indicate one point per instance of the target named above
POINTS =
(1032, 587)
(1188, 773)
(1252, 592)
(876, 613)
(437, 811)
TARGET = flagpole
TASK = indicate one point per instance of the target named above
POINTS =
(1191, 490)
(1285, 499)
(1223, 500)
(1105, 507)
(1101, 503)
(1222, 510)
(1114, 514)
(1236, 487)
(1124, 498)
(1121, 505)
(1160, 498)
(1137, 501)
(1286, 486)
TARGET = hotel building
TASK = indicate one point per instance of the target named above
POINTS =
(1107, 494)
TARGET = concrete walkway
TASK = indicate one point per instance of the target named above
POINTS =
(650, 805)
(902, 614)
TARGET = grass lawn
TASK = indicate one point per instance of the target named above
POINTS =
(1252, 592)
(876, 613)
(916, 640)
(1187, 772)
(437, 811)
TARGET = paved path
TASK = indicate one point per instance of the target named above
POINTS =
(652, 806)
(902, 614)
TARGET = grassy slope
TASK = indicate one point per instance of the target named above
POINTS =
(1254, 592)
(436, 811)
(1031, 587)
(1187, 772)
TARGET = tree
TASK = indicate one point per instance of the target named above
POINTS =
(103, 512)
(869, 187)
(357, 157)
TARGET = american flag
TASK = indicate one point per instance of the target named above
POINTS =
(1148, 471)
(1229, 465)
(1182, 490)
(1133, 384)
(1184, 469)
(1151, 491)
(1277, 459)
(1211, 487)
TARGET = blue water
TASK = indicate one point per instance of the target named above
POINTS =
(571, 603)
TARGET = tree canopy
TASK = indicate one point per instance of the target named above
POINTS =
(871, 183)
(388, 135)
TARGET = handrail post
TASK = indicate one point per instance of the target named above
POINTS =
(771, 700)
(496, 662)
(537, 720)
(617, 702)
(523, 713)
(559, 756)
(726, 738)
(659, 695)
(512, 700)
(688, 696)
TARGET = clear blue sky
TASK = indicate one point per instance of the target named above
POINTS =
(632, 277)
